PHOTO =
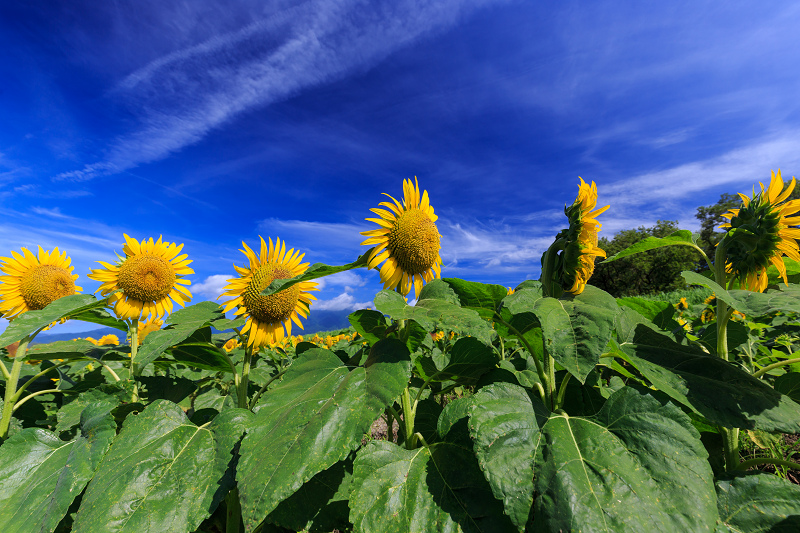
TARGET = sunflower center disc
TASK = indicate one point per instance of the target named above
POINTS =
(275, 307)
(146, 278)
(46, 284)
(414, 242)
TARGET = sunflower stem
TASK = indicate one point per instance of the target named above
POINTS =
(264, 388)
(33, 395)
(11, 387)
(245, 377)
(539, 368)
(19, 392)
(773, 366)
(408, 420)
(562, 390)
(744, 465)
(133, 371)
(233, 511)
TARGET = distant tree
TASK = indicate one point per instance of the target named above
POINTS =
(649, 272)
(710, 218)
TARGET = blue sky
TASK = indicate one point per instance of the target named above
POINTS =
(214, 122)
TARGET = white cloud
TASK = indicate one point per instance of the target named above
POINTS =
(343, 302)
(212, 286)
(185, 94)
(347, 278)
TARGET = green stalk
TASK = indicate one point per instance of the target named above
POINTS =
(539, 368)
(744, 465)
(33, 395)
(37, 376)
(133, 329)
(11, 387)
(245, 377)
(773, 366)
(233, 514)
(408, 420)
(562, 390)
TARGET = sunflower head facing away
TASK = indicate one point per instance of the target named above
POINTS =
(580, 250)
(269, 318)
(32, 283)
(407, 239)
(148, 278)
(759, 234)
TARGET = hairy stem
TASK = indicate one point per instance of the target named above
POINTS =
(11, 387)
(744, 465)
(773, 366)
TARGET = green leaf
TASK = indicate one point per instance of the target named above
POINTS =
(162, 474)
(200, 355)
(181, 325)
(439, 290)
(506, 434)
(40, 475)
(681, 237)
(320, 504)
(31, 321)
(789, 384)
(755, 502)
(577, 329)
(435, 314)
(312, 419)
(435, 489)
(65, 350)
(482, 297)
(166, 388)
(659, 313)
(467, 361)
(748, 302)
(738, 334)
(710, 386)
(317, 270)
(69, 415)
(369, 324)
(224, 324)
(102, 317)
(637, 465)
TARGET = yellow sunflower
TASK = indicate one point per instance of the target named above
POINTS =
(269, 318)
(149, 278)
(407, 240)
(682, 305)
(760, 234)
(32, 283)
(577, 264)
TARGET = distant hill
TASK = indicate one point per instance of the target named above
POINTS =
(317, 321)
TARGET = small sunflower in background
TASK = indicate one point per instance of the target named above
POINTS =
(407, 241)
(31, 283)
(148, 327)
(682, 305)
(269, 318)
(707, 315)
(759, 234)
(580, 250)
(150, 277)
(711, 300)
(108, 340)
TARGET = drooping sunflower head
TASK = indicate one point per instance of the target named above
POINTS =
(406, 241)
(149, 277)
(577, 260)
(32, 283)
(269, 318)
(682, 305)
(759, 234)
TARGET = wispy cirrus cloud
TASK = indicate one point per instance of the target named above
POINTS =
(182, 96)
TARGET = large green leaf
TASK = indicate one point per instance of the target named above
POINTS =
(433, 489)
(65, 350)
(710, 386)
(466, 361)
(482, 297)
(789, 384)
(506, 433)
(312, 419)
(69, 415)
(660, 313)
(102, 317)
(369, 324)
(163, 473)
(756, 502)
(180, 325)
(200, 355)
(435, 313)
(637, 466)
(576, 329)
(681, 237)
(320, 504)
(748, 302)
(315, 271)
(40, 475)
(31, 321)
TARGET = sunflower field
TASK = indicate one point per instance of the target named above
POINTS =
(552, 406)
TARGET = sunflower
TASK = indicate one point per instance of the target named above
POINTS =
(711, 300)
(32, 283)
(407, 240)
(707, 315)
(148, 278)
(760, 234)
(682, 305)
(269, 318)
(580, 250)
(148, 327)
(108, 340)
